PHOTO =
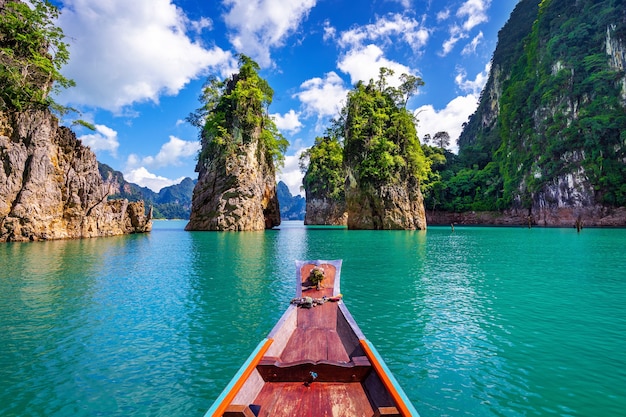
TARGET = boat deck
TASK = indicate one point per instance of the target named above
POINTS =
(342, 385)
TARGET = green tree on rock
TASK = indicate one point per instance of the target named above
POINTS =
(235, 112)
(322, 165)
(32, 53)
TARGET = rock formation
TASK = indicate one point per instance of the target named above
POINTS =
(551, 117)
(236, 192)
(325, 211)
(236, 188)
(389, 207)
(50, 187)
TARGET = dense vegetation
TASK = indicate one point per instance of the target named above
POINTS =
(173, 202)
(373, 141)
(232, 111)
(32, 53)
(323, 167)
(560, 112)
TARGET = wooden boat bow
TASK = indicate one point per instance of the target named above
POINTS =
(315, 361)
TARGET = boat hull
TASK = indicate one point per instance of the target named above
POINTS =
(315, 361)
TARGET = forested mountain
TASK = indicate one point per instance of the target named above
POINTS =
(173, 202)
(549, 137)
(292, 207)
(370, 158)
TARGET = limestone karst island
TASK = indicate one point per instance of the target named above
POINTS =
(545, 147)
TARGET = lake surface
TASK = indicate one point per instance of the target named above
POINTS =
(475, 322)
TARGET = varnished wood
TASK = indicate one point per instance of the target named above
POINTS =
(317, 365)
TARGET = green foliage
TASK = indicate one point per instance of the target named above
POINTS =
(380, 140)
(322, 165)
(32, 53)
(559, 110)
(234, 111)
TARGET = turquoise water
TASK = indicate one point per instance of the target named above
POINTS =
(475, 322)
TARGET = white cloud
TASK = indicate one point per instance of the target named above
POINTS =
(475, 13)
(125, 52)
(171, 154)
(443, 15)
(144, 178)
(290, 173)
(105, 139)
(450, 119)
(290, 122)
(323, 97)
(364, 64)
(329, 31)
(476, 85)
(386, 30)
(471, 14)
(260, 25)
(470, 48)
(456, 34)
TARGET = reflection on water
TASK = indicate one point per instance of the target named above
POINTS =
(477, 322)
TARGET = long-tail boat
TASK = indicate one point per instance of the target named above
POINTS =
(314, 362)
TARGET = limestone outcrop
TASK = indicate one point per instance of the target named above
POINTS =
(236, 188)
(235, 192)
(50, 187)
(389, 207)
(325, 211)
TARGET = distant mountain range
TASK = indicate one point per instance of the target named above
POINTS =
(174, 202)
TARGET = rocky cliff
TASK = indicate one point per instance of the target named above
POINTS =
(547, 139)
(235, 192)
(50, 187)
(325, 211)
(236, 188)
(398, 206)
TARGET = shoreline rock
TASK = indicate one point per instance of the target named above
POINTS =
(597, 216)
(50, 186)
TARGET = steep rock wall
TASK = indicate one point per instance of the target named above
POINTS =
(325, 211)
(388, 207)
(50, 187)
(235, 192)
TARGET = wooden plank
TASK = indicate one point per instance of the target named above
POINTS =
(321, 399)
(399, 397)
(238, 411)
(325, 371)
(231, 390)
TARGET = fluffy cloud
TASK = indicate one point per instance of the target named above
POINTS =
(323, 97)
(470, 48)
(450, 119)
(471, 14)
(386, 30)
(476, 85)
(474, 12)
(259, 25)
(144, 178)
(171, 154)
(132, 51)
(290, 173)
(364, 64)
(104, 139)
(290, 122)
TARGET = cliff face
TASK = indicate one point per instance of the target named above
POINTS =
(236, 188)
(388, 207)
(235, 192)
(50, 187)
(552, 114)
(324, 211)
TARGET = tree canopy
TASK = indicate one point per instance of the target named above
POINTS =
(380, 139)
(32, 53)
(234, 112)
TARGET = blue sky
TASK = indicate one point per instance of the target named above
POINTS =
(139, 67)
